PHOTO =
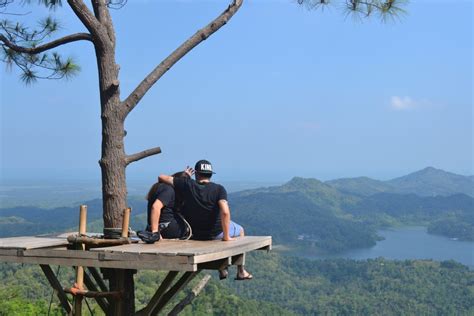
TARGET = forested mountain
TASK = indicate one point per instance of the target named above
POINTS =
(294, 218)
(431, 182)
(427, 182)
(308, 212)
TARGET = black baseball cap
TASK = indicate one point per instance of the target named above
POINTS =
(203, 167)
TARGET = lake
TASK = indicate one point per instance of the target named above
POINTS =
(413, 243)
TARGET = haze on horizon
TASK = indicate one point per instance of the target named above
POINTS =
(278, 92)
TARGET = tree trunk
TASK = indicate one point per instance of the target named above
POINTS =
(113, 163)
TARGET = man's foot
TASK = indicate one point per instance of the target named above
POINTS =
(223, 274)
(243, 276)
(149, 237)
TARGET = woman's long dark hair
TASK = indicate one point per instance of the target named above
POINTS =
(178, 200)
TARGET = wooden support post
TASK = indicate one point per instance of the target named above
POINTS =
(80, 270)
(158, 294)
(54, 282)
(178, 286)
(190, 297)
(122, 279)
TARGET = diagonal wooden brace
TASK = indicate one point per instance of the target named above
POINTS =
(54, 282)
(158, 294)
(178, 286)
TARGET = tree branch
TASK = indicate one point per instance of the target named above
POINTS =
(101, 12)
(39, 49)
(89, 20)
(132, 100)
(143, 154)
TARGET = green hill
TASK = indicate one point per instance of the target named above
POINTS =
(293, 218)
(426, 182)
(432, 182)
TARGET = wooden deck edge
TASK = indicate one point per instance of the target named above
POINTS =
(142, 265)
(233, 251)
(128, 260)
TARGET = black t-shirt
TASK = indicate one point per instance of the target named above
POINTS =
(165, 194)
(200, 208)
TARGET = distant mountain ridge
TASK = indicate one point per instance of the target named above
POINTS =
(331, 216)
(426, 182)
(346, 213)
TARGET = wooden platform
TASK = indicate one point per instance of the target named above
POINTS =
(169, 255)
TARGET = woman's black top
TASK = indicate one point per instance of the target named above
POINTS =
(171, 225)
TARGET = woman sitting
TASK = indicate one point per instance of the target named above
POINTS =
(163, 216)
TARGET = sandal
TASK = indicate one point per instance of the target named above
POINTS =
(247, 277)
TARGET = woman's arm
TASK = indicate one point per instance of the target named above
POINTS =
(155, 215)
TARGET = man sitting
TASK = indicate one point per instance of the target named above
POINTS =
(206, 208)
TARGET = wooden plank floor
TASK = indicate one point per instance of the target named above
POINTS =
(171, 255)
(32, 242)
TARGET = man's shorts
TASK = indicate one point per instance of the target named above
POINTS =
(234, 231)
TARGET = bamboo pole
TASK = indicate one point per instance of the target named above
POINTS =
(80, 270)
(126, 221)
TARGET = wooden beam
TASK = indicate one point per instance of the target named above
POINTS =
(98, 279)
(190, 297)
(215, 265)
(230, 251)
(158, 294)
(178, 286)
(100, 260)
(101, 301)
(116, 295)
(54, 282)
(97, 242)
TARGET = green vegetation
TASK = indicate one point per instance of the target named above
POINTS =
(451, 216)
(292, 218)
(460, 227)
(373, 287)
(285, 286)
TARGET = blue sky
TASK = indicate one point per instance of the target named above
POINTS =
(278, 92)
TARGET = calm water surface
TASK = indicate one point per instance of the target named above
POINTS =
(413, 243)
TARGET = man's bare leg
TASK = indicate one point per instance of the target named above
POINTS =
(242, 274)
